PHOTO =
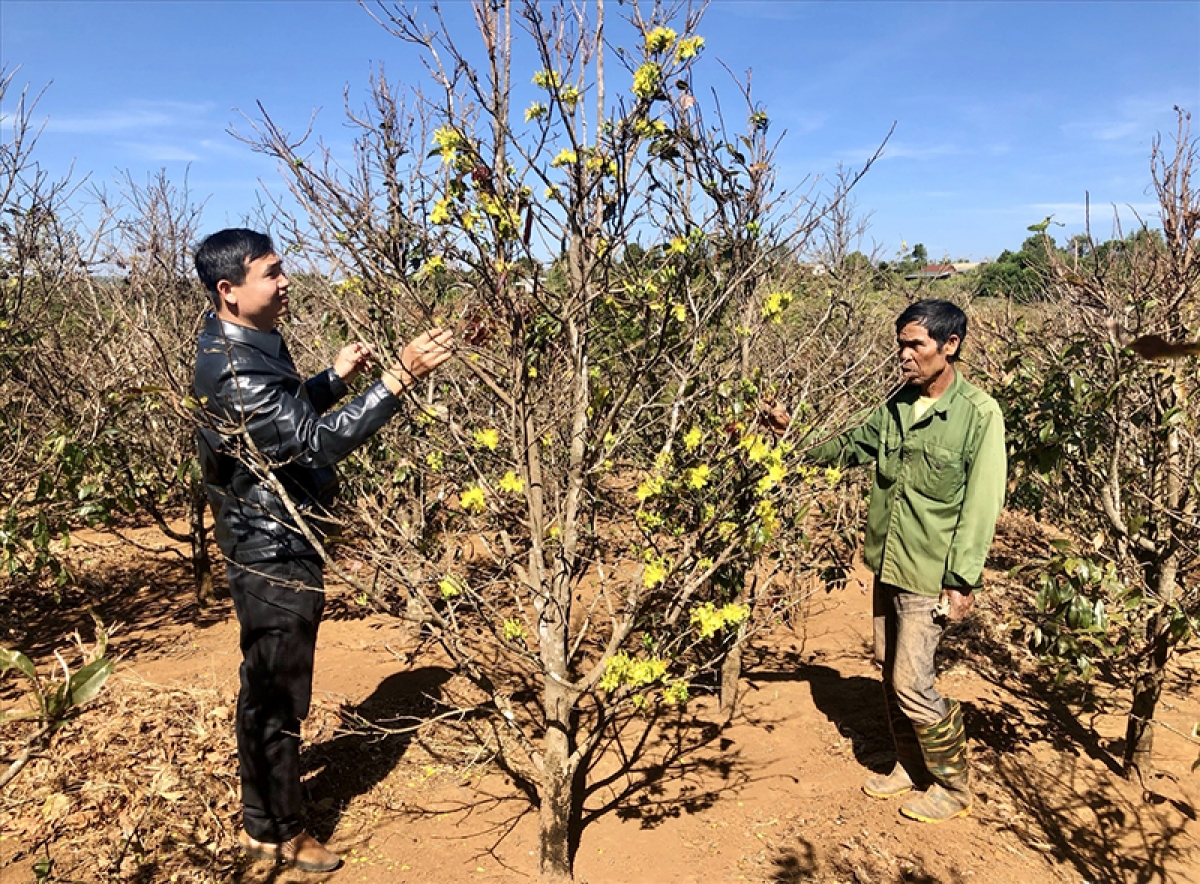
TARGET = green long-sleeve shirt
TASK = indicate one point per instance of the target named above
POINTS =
(939, 486)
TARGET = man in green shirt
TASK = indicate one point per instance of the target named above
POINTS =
(940, 463)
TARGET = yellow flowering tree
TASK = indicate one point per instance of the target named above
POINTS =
(578, 497)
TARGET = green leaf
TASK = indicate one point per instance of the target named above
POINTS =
(42, 869)
(86, 682)
(17, 660)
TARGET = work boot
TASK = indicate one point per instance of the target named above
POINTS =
(909, 770)
(944, 745)
(303, 852)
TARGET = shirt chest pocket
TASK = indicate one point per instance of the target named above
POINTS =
(937, 472)
(887, 461)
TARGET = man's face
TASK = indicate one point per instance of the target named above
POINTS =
(922, 361)
(262, 298)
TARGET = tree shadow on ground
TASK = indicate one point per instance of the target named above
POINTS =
(1068, 809)
(354, 762)
(138, 595)
(651, 766)
(662, 772)
(800, 863)
(1039, 710)
(1078, 810)
(795, 865)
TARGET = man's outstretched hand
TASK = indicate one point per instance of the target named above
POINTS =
(419, 357)
(773, 417)
(351, 360)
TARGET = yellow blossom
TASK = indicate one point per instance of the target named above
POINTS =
(697, 477)
(649, 128)
(648, 520)
(833, 475)
(692, 438)
(679, 312)
(441, 212)
(775, 475)
(688, 47)
(448, 139)
(547, 79)
(351, 286)
(655, 573)
(565, 157)
(660, 40)
(436, 461)
(624, 669)
(473, 500)
(569, 96)
(774, 305)
(652, 487)
(450, 586)
(756, 447)
(676, 693)
(767, 516)
(535, 111)
(513, 630)
(646, 80)
(511, 483)
(710, 620)
(434, 266)
(488, 439)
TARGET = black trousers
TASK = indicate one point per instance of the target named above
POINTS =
(279, 608)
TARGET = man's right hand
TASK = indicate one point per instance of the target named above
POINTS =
(774, 417)
(419, 357)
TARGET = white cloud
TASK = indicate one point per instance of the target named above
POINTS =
(1101, 213)
(898, 150)
(133, 117)
(1129, 122)
(160, 152)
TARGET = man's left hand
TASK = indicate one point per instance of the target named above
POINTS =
(351, 360)
(960, 603)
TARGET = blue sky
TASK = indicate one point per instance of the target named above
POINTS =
(1005, 112)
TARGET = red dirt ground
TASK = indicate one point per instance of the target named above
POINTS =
(771, 797)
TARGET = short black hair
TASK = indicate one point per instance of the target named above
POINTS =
(227, 254)
(941, 319)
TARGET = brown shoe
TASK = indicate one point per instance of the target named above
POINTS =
(303, 852)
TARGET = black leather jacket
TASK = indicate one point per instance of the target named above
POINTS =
(246, 377)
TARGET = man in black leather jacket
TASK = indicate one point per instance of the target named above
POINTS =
(267, 451)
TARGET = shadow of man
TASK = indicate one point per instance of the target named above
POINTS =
(352, 763)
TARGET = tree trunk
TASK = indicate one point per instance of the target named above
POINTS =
(198, 536)
(1147, 687)
(557, 787)
(1148, 682)
(554, 816)
(731, 674)
(731, 666)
